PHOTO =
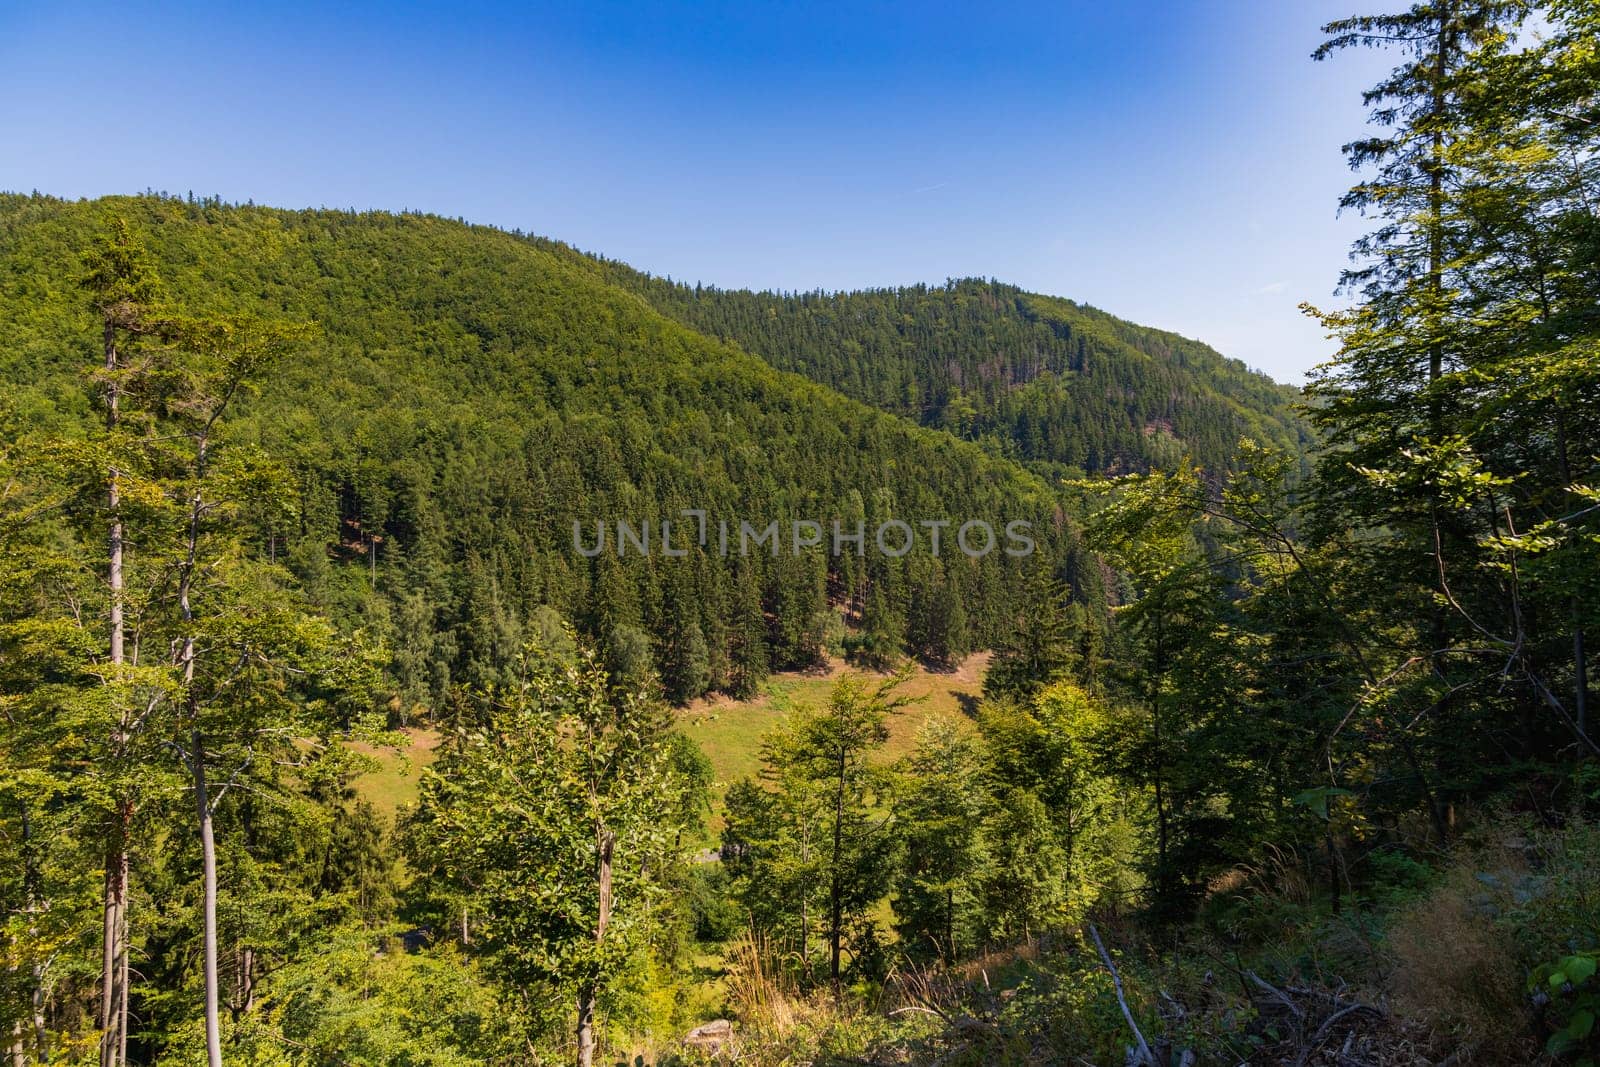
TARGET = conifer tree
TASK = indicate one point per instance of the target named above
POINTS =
(1038, 647)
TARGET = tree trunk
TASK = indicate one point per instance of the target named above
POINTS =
(1443, 48)
(244, 996)
(949, 924)
(805, 940)
(31, 884)
(197, 757)
(41, 1036)
(108, 958)
(1334, 884)
(113, 1003)
(1580, 679)
(1158, 669)
(586, 998)
(122, 996)
(114, 944)
(208, 858)
(835, 890)
(605, 843)
(1580, 666)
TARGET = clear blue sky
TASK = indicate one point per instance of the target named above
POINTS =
(1174, 163)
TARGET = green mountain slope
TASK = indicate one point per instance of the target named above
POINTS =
(473, 394)
(1037, 377)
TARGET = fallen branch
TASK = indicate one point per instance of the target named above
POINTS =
(1145, 1055)
(1277, 994)
(1327, 1024)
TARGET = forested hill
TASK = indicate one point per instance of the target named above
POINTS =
(1038, 377)
(471, 394)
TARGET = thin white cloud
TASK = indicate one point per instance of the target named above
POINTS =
(1269, 290)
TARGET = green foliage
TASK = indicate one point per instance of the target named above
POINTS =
(1569, 984)
(1021, 884)
(1026, 375)
(1450, 496)
(1226, 685)
(940, 813)
(805, 847)
(361, 998)
(555, 822)
(1040, 647)
(471, 395)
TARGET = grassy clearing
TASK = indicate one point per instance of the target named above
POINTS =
(392, 785)
(729, 731)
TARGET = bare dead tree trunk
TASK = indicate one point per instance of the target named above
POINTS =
(586, 998)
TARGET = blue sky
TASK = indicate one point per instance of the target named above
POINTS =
(1174, 163)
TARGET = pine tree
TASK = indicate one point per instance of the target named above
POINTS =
(880, 643)
(1039, 646)
(1441, 463)
(748, 661)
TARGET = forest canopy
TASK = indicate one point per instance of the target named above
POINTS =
(322, 741)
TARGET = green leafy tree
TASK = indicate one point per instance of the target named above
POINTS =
(628, 657)
(772, 852)
(556, 820)
(1021, 885)
(1057, 746)
(815, 832)
(1176, 621)
(940, 815)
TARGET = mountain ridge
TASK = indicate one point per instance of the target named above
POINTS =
(1025, 366)
(472, 397)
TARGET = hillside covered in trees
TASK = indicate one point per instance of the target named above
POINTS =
(468, 397)
(1056, 384)
(1285, 753)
